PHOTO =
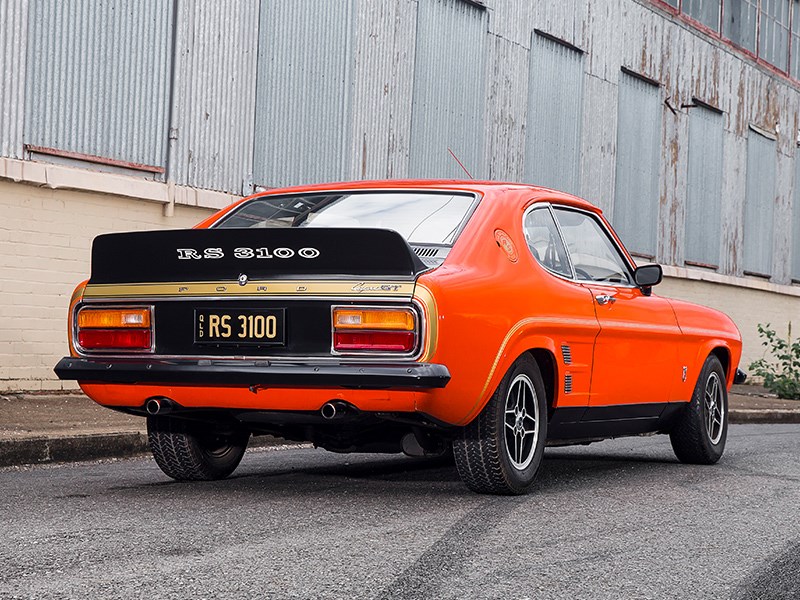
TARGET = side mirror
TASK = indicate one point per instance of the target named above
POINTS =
(647, 276)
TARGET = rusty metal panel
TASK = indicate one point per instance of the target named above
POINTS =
(555, 108)
(211, 132)
(383, 87)
(13, 45)
(638, 168)
(759, 204)
(506, 109)
(704, 188)
(98, 77)
(795, 270)
(304, 93)
(449, 89)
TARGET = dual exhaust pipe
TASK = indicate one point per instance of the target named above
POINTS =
(333, 409)
(158, 405)
(336, 409)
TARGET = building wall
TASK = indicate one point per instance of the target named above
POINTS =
(247, 93)
(45, 244)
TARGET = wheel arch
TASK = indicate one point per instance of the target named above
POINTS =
(723, 352)
(546, 360)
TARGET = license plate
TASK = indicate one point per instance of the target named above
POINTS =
(240, 326)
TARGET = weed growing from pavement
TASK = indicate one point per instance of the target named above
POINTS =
(781, 370)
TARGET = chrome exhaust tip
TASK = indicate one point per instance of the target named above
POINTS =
(157, 406)
(334, 409)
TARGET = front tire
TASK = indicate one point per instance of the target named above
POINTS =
(188, 451)
(702, 429)
(500, 451)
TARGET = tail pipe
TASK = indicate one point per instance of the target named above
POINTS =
(336, 409)
(158, 405)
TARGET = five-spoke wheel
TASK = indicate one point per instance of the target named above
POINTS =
(499, 452)
(700, 433)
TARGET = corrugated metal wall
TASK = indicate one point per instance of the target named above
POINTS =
(759, 204)
(13, 47)
(555, 114)
(704, 186)
(448, 106)
(638, 154)
(212, 130)
(374, 88)
(304, 96)
(98, 78)
(795, 270)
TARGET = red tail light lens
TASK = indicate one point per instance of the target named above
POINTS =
(387, 341)
(115, 328)
(374, 329)
(114, 339)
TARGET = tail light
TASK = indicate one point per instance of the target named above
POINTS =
(374, 329)
(118, 329)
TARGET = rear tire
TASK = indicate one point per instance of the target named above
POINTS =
(188, 451)
(500, 451)
(702, 429)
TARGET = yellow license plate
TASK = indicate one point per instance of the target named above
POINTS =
(240, 326)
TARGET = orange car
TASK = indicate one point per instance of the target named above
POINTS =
(411, 316)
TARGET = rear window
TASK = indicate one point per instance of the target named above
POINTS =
(420, 217)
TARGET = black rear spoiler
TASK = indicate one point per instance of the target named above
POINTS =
(225, 254)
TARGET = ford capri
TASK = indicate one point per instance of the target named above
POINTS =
(426, 317)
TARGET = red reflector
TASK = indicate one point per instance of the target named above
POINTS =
(390, 341)
(128, 339)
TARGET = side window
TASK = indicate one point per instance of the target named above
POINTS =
(593, 254)
(545, 242)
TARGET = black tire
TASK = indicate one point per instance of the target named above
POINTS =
(483, 452)
(701, 431)
(188, 451)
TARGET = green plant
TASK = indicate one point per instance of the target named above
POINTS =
(781, 371)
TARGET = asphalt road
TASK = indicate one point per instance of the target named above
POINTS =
(618, 519)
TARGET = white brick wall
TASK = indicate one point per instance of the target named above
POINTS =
(45, 244)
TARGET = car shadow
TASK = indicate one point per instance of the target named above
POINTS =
(373, 474)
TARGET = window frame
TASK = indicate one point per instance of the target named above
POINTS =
(605, 229)
(717, 33)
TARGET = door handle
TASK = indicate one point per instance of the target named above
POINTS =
(604, 299)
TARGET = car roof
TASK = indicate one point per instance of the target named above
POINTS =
(489, 189)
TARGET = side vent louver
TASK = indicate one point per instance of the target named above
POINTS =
(432, 256)
(567, 354)
(567, 383)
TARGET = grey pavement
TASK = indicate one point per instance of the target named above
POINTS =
(64, 427)
(617, 519)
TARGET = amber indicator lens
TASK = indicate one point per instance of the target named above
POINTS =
(112, 318)
(380, 319)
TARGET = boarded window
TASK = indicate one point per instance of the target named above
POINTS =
(704, 11)
(555, 106)
(773, 43)
(796, 219)
(98, 79)
(741, 22)
(449, 97)
(637, 173)
(704, 189)
(303, 100)
(759, 204)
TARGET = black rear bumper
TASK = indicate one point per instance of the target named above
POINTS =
(253, 373)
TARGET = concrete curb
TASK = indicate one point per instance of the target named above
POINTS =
(77, 448)
(764, 415)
